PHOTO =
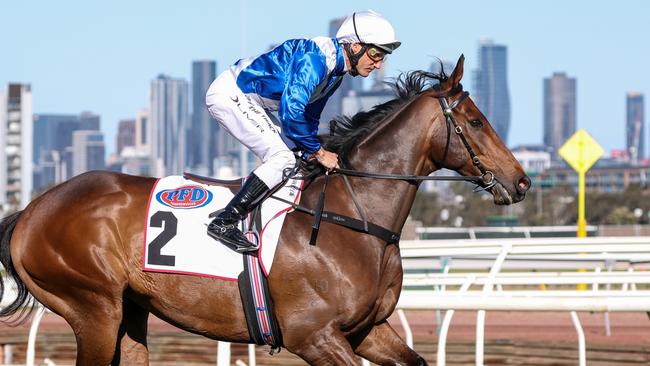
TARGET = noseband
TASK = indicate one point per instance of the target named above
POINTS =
(487, 176)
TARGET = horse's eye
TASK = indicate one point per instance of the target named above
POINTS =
(476, 123)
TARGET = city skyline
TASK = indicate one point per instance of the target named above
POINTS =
(559, 110)
(76, 59)
(490, 86)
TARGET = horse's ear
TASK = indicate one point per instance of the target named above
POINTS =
(457, 74)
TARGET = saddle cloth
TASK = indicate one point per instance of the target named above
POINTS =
(175, 236)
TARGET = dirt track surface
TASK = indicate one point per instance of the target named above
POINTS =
(511, 338)
(626, 328)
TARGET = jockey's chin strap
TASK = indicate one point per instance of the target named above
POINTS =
(354, 57)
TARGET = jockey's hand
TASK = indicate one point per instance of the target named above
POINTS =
(327, 159)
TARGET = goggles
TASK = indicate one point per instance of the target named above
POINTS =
(375, 54)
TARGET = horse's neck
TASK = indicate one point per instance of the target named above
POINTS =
(398, 146)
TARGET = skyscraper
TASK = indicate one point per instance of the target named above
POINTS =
(635, 127)
(87, 151)
(125, 134)
(52, 136)
(16, 139)
(89, 121)
(53, 132)
(142, 133)
(202, 146)
(559, 110)
(491, 86)
(169, 121)
(334, 106)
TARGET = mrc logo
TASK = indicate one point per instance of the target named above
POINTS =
(185, 197)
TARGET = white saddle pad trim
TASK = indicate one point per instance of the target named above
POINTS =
(184, 206)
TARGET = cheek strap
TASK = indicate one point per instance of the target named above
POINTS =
(354, 57)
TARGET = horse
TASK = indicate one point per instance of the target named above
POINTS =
(77, 248)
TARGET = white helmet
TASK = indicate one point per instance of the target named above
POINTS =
(370, 28)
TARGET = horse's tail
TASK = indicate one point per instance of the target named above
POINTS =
(23, 297)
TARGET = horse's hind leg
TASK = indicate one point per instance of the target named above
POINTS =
(95, 325)
(132, 336)
(383, 346)
(92, 308)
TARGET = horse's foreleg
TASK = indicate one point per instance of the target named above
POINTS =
(132, 336)
(325, 346)
(383, 346)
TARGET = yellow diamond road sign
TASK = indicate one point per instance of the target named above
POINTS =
(581, 151)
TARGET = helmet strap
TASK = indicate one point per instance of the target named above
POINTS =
(354, 57)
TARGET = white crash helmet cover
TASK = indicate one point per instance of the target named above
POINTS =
(371, 28)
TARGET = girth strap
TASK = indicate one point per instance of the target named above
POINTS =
(258, 306)
(358, 225)
(351, 223)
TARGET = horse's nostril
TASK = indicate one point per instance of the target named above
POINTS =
(523, 184)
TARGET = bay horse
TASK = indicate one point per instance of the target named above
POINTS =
(77, 248)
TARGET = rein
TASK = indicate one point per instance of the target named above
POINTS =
(486, 180)
(408, 178)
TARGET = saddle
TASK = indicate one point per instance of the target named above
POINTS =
(230, 183)
(253, 285)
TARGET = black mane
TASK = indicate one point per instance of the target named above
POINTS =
(345, 131)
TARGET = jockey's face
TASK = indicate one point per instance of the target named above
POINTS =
(372, 59)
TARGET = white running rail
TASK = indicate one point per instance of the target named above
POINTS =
(430, 281)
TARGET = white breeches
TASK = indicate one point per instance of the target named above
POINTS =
(248, 122)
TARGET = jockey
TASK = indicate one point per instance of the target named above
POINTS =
(295, 79)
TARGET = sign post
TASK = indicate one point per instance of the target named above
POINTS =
(581, 151)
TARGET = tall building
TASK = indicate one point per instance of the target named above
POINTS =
(491, 86)
(209, 139)
(349, 85)
(635, 127)
(365, 101)
(16, 139)
(142, 133)
(125, 134)
(53, 132)
(52, 152)
(89, 121)
(168, 124)
(559, 110)
(87, 151)
(212, 150)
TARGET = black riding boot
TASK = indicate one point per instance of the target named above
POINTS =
(224, 227)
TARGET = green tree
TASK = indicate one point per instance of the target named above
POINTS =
(556, 205)
(621, 216)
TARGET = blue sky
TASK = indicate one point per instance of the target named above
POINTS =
(101, 56)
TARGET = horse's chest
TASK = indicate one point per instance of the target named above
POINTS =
(376, 300)
(391, 286)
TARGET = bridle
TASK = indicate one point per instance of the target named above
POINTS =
(486, 180)
(487, 177)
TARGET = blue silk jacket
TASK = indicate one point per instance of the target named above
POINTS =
(295, 79)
